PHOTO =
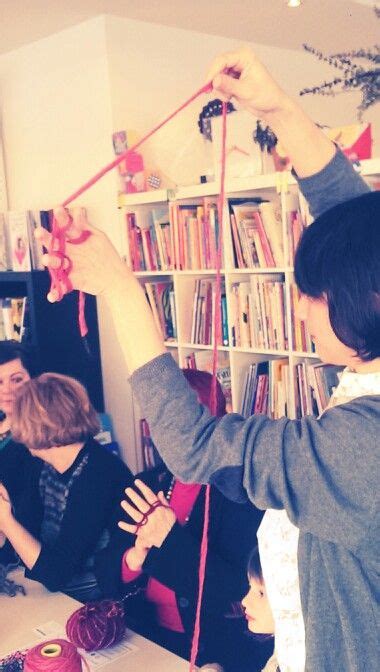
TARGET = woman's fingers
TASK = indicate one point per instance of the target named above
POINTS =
(161, 497)
(149, 495)
(132, 529)
(140, 503)
(131, 511)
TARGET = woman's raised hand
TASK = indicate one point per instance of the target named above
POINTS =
(152, 524)
(240, 75)
(96, 265)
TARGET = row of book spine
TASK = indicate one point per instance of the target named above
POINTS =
(315, 382)
(266, 389)
(19, 249)
(258, 314)
(160, 296)
(204, 307)
(186, 236)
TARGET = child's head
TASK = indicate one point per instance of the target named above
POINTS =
(201, 382)
(337, 269)
(256, 604)
(52, 410)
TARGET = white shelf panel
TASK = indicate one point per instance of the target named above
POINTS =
(253, 351)
(236, 185)
(171, 344)
(142, 198)
(256, 271)
(199, 346)
(370, 167)
(309, 355)
(152, 274)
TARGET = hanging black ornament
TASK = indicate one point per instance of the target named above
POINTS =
(213, 109)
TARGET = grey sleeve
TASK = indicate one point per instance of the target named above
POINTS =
(335, 183)
(320, 471)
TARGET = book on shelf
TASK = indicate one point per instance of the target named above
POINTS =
(13, 318)
(256, 228)
(195, 234)
(150, 240)
(258, 313)
(18, 230)
(302, 341)
(4, 247)
(315, 383)
(160, 296)
(202, 360)
(204, 300)
(36, 248)
(19, 248)
(297, 217)
(266, 389)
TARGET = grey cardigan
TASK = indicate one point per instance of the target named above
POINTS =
(323, 472)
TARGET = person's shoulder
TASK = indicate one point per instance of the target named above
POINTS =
(362, 408)
(102, 458)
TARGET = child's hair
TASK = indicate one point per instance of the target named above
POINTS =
(11, 350)
(254, 569)
(52, 410)
(339, 257)
(201, 381)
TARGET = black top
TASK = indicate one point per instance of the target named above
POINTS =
(89, 511)
(232, 535)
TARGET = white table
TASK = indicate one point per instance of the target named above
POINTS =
(20, 615)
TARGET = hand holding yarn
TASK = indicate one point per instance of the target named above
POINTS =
(93, 266)
(153, 516)
(240, 75)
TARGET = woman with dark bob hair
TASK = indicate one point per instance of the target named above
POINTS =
(319, 474)
(61, 522)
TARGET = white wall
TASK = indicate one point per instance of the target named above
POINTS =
(154, 68)
(62, 97)
(56, 118)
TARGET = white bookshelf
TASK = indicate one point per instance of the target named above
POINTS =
(269, 187)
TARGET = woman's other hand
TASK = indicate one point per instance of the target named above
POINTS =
(159, 521)
(240, 75)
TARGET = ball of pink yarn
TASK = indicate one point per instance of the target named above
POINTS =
(96, 625)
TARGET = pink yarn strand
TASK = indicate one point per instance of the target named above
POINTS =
(217, 334)
(81, 308)
(204, 89)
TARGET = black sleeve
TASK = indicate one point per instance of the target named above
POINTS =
(109, 561)
(14, 461)
(176, 563)
(89, 511)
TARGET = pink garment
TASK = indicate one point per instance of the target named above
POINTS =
(183, 498)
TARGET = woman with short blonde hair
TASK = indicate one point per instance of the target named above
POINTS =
(65, 515)
(53, 410)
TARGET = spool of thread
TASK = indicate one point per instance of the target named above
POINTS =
(97, 625)
(57, 655)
